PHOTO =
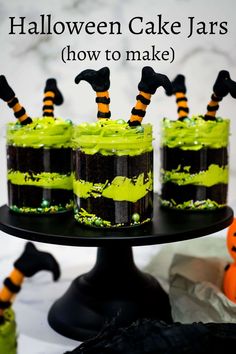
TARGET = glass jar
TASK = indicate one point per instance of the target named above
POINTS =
(194, 163)
(39, 166)
(113, 173)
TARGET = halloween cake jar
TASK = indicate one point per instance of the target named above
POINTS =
(113, 159)
(194, 152)
(38, 156)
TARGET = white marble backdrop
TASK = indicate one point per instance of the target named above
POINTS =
(27, 61)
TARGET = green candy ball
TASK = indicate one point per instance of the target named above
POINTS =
(139, 129)
(187, 120)
(98, 222)
(45, 204)
(120, 121)
(136, 217)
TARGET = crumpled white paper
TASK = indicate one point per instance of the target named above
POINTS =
(195, 290)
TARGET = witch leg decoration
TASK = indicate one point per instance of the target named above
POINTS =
(179, 89)
(52, 95)
(8, 95)
(100, 82)
(150, 81)
(28, 264)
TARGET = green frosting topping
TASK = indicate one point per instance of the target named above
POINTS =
(119, 189)
(8, 337)
(50, 180)
(214, 175)
(45, 132)
(193, 205)
(195, 133)
(112, 137)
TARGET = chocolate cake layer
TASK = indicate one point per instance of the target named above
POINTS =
(99, 168)
(25, 159)
(118, 212)
(33, 197)
(200, 160)
(180, 194)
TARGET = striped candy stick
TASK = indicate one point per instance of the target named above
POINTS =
(52, 95)
(220, 90)
(100, 82)
(8, 95)
(150, 81)
(179, 89)
(28, 264)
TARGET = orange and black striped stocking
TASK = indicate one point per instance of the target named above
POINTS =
(52, 95)
(212, 107)
(48, 104)
(12, 286)
(182, 104)
(103, 101)
(139, 110)
(19, 111)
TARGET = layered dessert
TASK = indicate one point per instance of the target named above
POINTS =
(38, 155)
(194, 163)
(113, 173)
(113, 159)
(8, 336)
(39, 166)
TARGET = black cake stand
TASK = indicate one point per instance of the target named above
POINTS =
(115, 289)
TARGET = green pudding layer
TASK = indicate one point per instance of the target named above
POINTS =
(120, 189)
(214, 175)
(44, 131)
(195, 133)
(8, 337)
(44, 179)
(112, 137)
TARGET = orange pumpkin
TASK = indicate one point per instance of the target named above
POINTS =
(229, 282)
(231, 239)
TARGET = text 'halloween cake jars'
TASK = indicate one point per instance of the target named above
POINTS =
(113, 159)
(38, 156)
(194, 152)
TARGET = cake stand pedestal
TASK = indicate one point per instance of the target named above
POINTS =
(115, 289)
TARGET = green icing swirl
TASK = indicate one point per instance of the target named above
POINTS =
(214, 175)
(112, 137)
(195, 133)
(45, 132)
(43, 179)
(119, 189)
(8, 336)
